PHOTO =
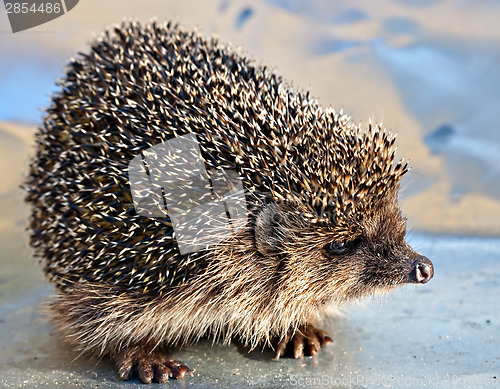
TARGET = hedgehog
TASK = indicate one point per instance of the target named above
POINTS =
(179, 191)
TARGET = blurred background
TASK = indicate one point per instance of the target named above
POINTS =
(427, 69)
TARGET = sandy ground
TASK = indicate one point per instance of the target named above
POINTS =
(427, 69)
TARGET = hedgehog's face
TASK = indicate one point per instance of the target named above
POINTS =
(378, 258)
(374, 256)
(387, 259)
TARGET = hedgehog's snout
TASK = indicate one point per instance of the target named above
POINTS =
(422, 270)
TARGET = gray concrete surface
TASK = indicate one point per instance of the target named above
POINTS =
(444, 334)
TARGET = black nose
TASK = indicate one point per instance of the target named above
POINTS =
(423, 270)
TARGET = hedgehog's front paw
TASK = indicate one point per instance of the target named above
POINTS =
(149, 366)
(306, 341)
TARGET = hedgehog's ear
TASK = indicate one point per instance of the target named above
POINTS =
(270, 229)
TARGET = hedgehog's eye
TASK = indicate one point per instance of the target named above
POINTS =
(338, 248)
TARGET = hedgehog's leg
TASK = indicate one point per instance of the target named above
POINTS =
(103, 319)
(149, 366)
(306, 341)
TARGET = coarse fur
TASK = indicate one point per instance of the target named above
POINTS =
(312, 178)
(221, 302)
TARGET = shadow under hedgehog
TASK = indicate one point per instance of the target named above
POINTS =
(323, 225)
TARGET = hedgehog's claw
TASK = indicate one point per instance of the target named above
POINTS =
(306, 341)
(281, 347)
(149, 366)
